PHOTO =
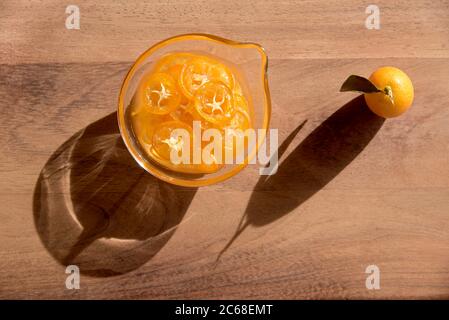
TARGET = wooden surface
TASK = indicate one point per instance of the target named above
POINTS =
(351, 191)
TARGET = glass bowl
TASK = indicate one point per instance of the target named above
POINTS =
(250, 63)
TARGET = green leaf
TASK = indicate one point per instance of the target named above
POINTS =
(359, 84)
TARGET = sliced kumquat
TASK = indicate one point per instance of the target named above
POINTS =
(170, 60)
(235, 139)
(200, 70)
(241, 105)
(214, 102)
(175, 72)
(147, 125)
(183, 114)
(159, 93)
(164, 141)
(240, 121)
(237, 88)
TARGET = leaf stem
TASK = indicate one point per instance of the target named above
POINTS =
(389, 92)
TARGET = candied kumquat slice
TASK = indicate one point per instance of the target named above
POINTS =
(183, 114)
(240, 120)
(214, 103)
(200, 70)
(164, 142)
(208, 168)
(171, 60)
(175, 72)
(146, 123)
(159, 93)
(237, 88)
(241, 105)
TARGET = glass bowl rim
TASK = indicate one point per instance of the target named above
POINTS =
(122, 121)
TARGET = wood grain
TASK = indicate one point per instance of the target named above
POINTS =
(33, 31)
(351, 190)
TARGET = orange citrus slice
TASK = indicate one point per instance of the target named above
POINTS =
(158, 92)
(200, 70)
(214, 102)
(164, 141)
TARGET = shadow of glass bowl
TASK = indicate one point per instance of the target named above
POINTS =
(94, 207)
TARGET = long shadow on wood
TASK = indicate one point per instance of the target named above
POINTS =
(94, 207)
(311, 165)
